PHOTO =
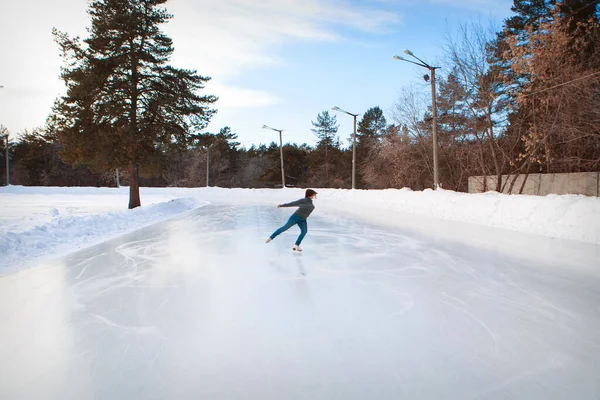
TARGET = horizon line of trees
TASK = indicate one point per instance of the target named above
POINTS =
(522, 100)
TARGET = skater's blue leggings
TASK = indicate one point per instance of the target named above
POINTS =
(294, 219)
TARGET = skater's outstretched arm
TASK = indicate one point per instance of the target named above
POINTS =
(292, 204)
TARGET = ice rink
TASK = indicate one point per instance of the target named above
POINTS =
(199, 307)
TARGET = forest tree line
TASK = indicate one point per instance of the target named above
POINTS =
(524, 99)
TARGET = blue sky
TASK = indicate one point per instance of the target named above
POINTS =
(274, 62)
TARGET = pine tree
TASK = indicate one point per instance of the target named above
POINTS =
(124, 104)
(558, 106)
(370, 128)
(530, 16)
(580, 18)
(372, 124)
(548, 44)
(223, 149)
(325, 129)
(528, 13)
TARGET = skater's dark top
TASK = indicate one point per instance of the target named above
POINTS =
(305, 207)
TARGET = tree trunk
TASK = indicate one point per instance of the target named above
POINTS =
(523, 184)
(134, 188)
(512, 182)
(326, 165)
(492, 143)
(481, 159)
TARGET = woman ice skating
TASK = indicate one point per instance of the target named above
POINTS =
(305, 207)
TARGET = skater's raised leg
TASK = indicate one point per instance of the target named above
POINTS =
(291, 222)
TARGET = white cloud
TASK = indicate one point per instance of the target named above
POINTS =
(224, 37)
(236, 97)
(219, 38)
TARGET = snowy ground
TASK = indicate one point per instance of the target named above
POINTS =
(398, 294)
(200, 307)
(38, 224)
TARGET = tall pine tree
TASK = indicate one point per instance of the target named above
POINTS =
(370, 129)
(124, 103)
(325, 128)
(372, 125)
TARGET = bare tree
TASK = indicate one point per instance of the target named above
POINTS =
(485, 100)
(403, 156)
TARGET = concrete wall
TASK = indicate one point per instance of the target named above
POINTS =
(587, 183)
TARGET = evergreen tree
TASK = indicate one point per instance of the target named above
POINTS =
(372, 125)
(548, 44)
(370, 129)
(558, 105)
(528, 13)
(530, 16)
(580, 18)
(295, 161)
(124, 104)
(271, 173)
(457, 129)
(325, 128)
(223, 148)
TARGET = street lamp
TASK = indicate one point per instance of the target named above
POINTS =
(280, 151)
(423, 64)
(208, 162)
(7, 163)
(336, 108)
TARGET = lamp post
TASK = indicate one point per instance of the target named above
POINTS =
(336, 108)
(208, 162)
(431, 69)
(7, 163)
(207, 165)
(280, 151)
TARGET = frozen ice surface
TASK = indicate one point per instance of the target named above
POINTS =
(199, 307)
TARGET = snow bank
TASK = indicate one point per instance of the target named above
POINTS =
(41, 221)
(24, 208)
(571, 217)
(33, 224)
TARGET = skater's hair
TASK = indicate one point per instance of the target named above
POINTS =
(309, 193)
